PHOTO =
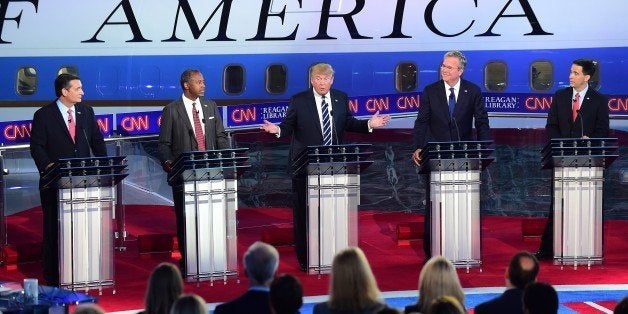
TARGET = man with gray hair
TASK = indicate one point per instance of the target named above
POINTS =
(260, 264)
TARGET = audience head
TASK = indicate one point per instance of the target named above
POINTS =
(622, 306)
(352, 284)
(286, 295)
(88, 308)
(260, 263)
(446, 305)
(540, 298)
(189, 304)
(388, 310)
(438, 278)
(165, 285)
(522, 270)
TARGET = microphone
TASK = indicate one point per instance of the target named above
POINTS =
(88, 145)
(333, 129)
(579, 116)
(457, 129)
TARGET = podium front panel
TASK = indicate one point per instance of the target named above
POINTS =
(210, 229)
(578, 223)
(455, 223)
(332, 217)
(85, 237)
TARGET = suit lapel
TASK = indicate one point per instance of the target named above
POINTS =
(59, 120)
(207, 115)
(443, 108)
(183, 114)
(311, 105)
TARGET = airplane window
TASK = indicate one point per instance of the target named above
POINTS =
(495, 76)
(594, 81)
(68, 69)
(406, 79)
(276, 78)
(26, 83)
(541, 75)
(233, 79)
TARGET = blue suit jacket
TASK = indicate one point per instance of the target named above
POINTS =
(509, 302)
(433, 122)
(251, 302)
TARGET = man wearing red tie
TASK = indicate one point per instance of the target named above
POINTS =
(190, 123)
(62, 129)
(578, 111)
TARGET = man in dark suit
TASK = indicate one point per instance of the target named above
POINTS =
(62, 129)
(190, 123)
(446, 113)
(260, 264)
(522, 270)
(304, 121)
(577, 111)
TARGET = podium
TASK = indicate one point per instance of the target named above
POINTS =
(578, 175)
(454, 170)
(333, 195)
(86, 196)
(209, 181)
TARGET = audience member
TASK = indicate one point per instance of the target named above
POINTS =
(189, 304)
(522, 270)
(260, 264)
(540, 298)
(89, 308)
(165, 285)
(622, 306)
(286, 295)
(388, 310)
(446, 305)
(352, 288)
(438, 278)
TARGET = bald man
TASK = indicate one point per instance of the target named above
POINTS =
(522, 270)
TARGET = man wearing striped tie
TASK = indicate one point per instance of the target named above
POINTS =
(317, 116)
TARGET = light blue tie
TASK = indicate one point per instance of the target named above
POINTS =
(326, 123)
(452, 101)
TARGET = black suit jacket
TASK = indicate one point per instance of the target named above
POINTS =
(176, 133)
(51, 141)
(593, 115)
(251, 302)
(303, 124)
(433, 122)
(508, 302)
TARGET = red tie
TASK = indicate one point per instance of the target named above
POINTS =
(71, 126)
(576, 107)
(198, 129)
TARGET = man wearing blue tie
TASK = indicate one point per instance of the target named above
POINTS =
(317, 116)
(447, 110)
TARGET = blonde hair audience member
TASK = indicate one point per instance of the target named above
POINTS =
(189, 304)
(352, 288)
(446, 305)
(165, 285)
(88, 308)
(438, 278)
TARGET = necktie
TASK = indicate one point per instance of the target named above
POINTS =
(452, 101)
(575, 107)
(198, 129)
(326, 123)
(71, 126)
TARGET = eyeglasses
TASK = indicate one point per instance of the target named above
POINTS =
(448, 67)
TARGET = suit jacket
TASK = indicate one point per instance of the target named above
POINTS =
(176, 133)
(51, 141)
(252, 301)
(303, 124)
(433, 122)
(593, 115)
(508, 302)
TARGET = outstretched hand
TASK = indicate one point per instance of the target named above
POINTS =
(378, 121)
(269, 127)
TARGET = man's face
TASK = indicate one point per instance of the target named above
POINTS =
(73, 93)
(195, 87)
(577, 79)
(322, 83)
(450, 70)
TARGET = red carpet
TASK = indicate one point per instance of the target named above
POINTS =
(396, 267)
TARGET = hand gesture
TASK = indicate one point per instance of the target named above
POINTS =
(416, 157)
(378, 121)
(269, 127)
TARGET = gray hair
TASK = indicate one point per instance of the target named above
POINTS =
(260, 263)
(460, 56)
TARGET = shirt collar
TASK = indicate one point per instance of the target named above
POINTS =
(456, 87)
(189, 102)
(63, 107)
(582, 92)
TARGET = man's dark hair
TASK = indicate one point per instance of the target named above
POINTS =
(588, 66)
(518, 276)
(286, 294)
(540, 298)
(63, 81)
(186, 76)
